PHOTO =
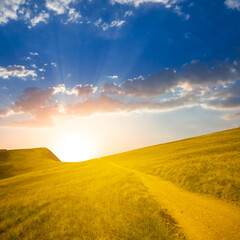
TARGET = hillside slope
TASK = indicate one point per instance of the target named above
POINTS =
(15, 162)
(86, 200)
(200, 217)
(208, 164)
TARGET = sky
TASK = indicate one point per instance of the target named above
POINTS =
(102, 77)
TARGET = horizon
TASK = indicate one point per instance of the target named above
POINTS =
(112, 76)
(103, 156)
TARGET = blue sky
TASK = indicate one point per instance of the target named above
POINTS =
(157, 60)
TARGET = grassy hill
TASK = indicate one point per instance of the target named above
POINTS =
(87, 200)
(43, 198)
(208, 164)
(15, 162)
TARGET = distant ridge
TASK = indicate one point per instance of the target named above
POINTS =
(20, 161)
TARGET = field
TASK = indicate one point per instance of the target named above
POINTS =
(125, 196)
(208, 164)
(90, 200)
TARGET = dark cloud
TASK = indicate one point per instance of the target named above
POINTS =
(225, 104)
(215, 88)
(193, 74)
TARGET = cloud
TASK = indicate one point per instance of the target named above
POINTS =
(105, 104)
(233, 4)
(37, 104)
(4, 111)
(59, 89)
(115, 23)
(128, 13)
(136, 3)
(192, 75)
(34, 53)
(73, 16)
(196, 84)
(224, 104)
(16, 71)
(54, 64)
(82, 91)
(42, 17)
(179, 12)
(106, 26)
(139, 87)
(59, 6)
(33, 98)
(8, 10)
(226, 97)
(232, 116)
(113, 77)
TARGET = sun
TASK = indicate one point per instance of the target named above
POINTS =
(74, 147)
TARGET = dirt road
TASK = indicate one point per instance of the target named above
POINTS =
(200, 217)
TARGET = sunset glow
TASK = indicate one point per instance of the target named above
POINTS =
(117, 75)
(74, 147)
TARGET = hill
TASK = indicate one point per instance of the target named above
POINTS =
(125, 196)
(15, 162)
(208, 164)
(88, 200)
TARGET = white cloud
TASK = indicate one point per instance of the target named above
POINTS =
(54, 64)
(179, 12)
(105, 26)
(59, 89)
(59, 6)
(233, 4)
(73, 16)
(98, 22)
(34, 65)
(115, 23)
(128, 13)
(16, 71)
(42, 17)
(8, 10)
(25, 12)
(34, 53)
(113, 77)
(136, 3)
(82, 91)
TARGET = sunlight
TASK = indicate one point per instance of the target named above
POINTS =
(74, 148)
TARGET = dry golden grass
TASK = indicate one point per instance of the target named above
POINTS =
(15, 162)
(208, 164)
(43, 198)
(89, 200)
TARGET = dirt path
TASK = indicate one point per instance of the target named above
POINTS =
(200, 217)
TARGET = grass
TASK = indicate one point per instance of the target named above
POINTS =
(89, 200)
(15, 162)
(43, 198)
(208, 164)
